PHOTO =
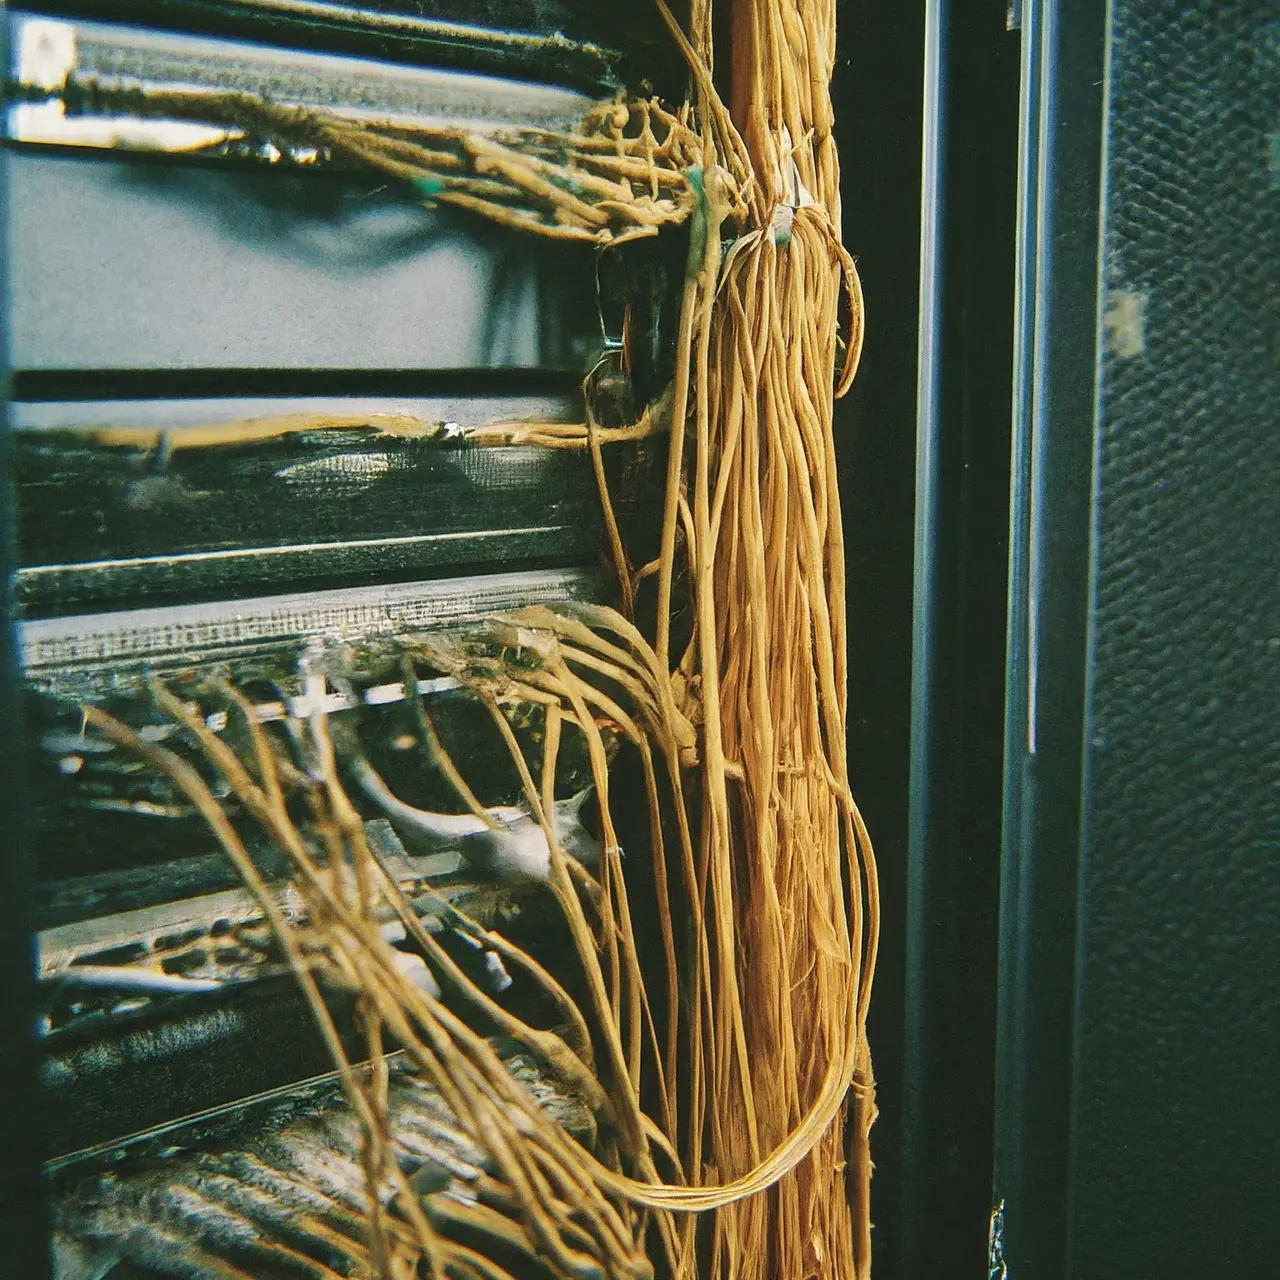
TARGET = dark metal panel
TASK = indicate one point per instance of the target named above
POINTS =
(116, 1083)
(962, 478)
(1176, 1127)
(1137, 1125)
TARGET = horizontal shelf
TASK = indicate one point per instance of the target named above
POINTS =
(73, 655)
(190, 499)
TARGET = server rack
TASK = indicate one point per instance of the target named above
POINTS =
(1074, 1026)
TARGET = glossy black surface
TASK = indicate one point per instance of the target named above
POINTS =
(961, 558)
(1054, 414)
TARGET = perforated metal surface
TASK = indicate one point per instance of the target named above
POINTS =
(1176, 1142)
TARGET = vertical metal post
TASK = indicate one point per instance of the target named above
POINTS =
(1054, 430)
(24, 1245)
(962, 495)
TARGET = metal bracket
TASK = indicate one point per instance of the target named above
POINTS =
(997, 1269)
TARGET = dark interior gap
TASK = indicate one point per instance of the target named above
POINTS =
(221, 384)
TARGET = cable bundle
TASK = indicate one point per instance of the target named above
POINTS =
(729, 1070)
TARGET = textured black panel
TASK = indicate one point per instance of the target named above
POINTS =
(1177, 1139)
